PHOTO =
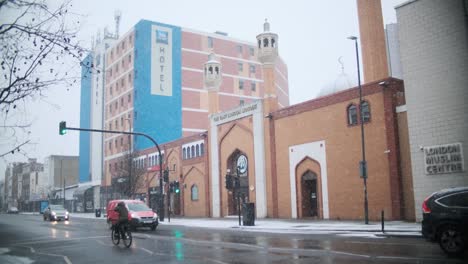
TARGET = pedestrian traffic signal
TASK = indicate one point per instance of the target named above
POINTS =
(166, 175)
(62, 128)
(176, 187)
(171, 187)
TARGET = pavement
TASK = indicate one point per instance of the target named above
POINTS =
(298, 226)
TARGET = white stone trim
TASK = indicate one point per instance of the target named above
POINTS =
(239, 95)
(194, 90)
(277, 86)
(296, 154)
(401, 109)
(118, 155)
(215, 186)
(194, 110)
(193, 130)
(222, 56)
(259, 155)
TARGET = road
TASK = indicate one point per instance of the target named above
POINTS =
(28, 239)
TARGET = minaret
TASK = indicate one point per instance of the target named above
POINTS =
(212, 79)
(373, 48)
(267, 43)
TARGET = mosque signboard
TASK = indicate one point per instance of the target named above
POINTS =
(443, 159)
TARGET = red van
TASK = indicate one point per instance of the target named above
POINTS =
(139, 214)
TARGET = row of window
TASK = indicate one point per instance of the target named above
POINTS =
(239, 48)
(193, 151)
(121, 46)
(115, 105)
(352, 112)
(115, 69)
(253, 85)
(252, 67)
(122, 123)
(120, 84)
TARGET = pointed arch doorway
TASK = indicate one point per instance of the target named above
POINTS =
(309, 195)
(232, 164)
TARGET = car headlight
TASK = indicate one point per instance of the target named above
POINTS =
(155, 215)
(134, 215)
(53, 213)
(66, 213)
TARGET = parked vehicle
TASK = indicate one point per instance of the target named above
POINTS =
(445, 219)
(12, 210)
(55, 212)
(139, 214)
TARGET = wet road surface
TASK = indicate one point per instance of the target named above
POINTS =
(27, 238)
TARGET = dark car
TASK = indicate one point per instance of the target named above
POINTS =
(55, 212)
(139, 214)
(445, 219)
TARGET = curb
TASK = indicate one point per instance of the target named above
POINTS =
(399, 235)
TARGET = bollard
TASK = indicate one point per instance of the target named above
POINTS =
(383, 224)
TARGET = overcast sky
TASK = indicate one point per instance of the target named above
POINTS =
(312, 36)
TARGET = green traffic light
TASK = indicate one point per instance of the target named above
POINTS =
(177, 191)
(63, 128)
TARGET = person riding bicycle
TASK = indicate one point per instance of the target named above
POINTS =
(121, 209)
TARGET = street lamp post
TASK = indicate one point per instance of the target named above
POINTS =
(362, 163)
(130, 154)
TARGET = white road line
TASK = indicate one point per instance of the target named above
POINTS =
(146, 250)
(67, 260)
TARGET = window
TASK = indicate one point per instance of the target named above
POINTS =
(240, 66)
(252, 68)
(202, 149)
(194, 192)
(365, 111)
(121, 101)
(121, 121)
(110, 108)
(184, 153)
(241, 84)
(121, 164)
(253, 86)
(110, 90)
(252, 51)
(123, 64)
(110, 145)
(130, 78)
(197, 151)
(129, 58)
(121, 142)
(188, 153)
(239, 48)
(115, 142)
(193, 151)
(241, 102)
(117, 85)
(352, 115)
(210, 42)
(116, 126)
(110, 125)
(129, 98)
(455, 200)
(110, 73)
(110, 167)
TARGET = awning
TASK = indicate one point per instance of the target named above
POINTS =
(81, 190)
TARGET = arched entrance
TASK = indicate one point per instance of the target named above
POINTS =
(236, 159)
(309, 194)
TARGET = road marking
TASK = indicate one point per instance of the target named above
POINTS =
(416, 258)
(57, 240)
(147, 251)
(390, 243)
(67, 260)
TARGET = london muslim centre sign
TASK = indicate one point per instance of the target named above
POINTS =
(442, 159)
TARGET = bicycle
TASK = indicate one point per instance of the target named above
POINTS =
(116, 235)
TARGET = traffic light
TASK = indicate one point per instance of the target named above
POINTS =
(166, 175)
(229, 181)
(171, 187)
(63, 128)
(176, 187)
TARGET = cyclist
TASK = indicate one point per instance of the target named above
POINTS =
(121, 209)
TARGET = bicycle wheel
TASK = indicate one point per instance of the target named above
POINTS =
(115, 237)
(127, 239)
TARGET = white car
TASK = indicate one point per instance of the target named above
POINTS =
(12, 210)
(55, 212)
